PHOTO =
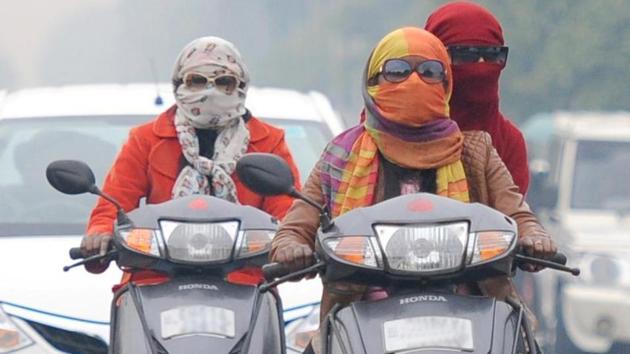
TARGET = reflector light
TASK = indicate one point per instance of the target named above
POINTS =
(490, 245)
(255, 242)
(141, 240)
(354, 249)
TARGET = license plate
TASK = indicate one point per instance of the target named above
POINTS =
(198, 319)
(428, 332)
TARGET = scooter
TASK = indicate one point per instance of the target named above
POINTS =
(417, 247)
(197, 241)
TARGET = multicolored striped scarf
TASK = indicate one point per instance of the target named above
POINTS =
(350, 163)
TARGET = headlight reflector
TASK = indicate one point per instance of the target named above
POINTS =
(199, 242)
(355, 249)
(141, 240)
(11, 337)
(490, 245)
(254, 242)
(424, 248)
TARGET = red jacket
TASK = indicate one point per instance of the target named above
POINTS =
(149, 163)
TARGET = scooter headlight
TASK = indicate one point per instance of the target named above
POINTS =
(199, 242)
(11, 337)
(424, 248)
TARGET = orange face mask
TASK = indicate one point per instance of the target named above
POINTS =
(412, 102)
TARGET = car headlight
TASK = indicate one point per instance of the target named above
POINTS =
(11, 337)
(141, 240)
(488, 245)
(199, 242)
(424, 248)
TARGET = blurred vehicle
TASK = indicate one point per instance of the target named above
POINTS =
(43, 309)
(580, 190)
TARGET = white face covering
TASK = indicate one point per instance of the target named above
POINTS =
(210, 108)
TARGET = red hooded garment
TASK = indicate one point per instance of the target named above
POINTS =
(475, 100)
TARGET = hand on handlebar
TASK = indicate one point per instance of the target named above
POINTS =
(96, 244)
(294, 256)
(538, 246)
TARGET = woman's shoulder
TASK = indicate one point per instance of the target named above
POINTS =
(477, 147)
(476, 138)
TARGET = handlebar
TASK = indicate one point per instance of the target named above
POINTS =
(272, 271)
(559, 258)
(557, 262)
(75, 253)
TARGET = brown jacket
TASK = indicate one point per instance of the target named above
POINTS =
(489, 183)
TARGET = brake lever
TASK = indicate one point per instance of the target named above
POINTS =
(109, 256)
(545, 263)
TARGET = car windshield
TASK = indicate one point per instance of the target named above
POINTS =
(601, 176)
(30, 206)
(306, 141)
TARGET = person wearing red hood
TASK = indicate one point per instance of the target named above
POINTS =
(474, 39)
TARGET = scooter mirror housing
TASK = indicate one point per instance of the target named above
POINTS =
(265, 174)
(71, 177)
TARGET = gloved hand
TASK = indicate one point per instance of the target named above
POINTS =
(293, 255)
(539, 246)
(96, 244)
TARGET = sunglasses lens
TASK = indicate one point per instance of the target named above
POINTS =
(396, 70)
(196, 81)
(432, 71)
(464, 56)
(468, 55)
(226, 84)
(496, 55)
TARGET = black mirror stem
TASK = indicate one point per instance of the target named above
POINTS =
(121, 216)
(324, 216)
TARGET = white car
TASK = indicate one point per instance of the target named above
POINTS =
(584, 201)
(43, 309)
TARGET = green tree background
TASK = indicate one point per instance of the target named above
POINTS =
(564, 54)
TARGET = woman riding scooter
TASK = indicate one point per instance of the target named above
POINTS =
(406, 144)
(191, 148)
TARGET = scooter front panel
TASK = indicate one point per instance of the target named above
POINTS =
(430, 322)
(192, 314)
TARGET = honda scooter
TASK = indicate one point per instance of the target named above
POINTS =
(417, 248)
(197, 241)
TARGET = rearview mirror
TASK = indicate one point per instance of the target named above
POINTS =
(71, 177)
(265, 174)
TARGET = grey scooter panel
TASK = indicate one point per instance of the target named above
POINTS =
(360, 326)
(196, 290)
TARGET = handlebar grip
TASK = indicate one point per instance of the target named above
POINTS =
(274, 270)
(559, 258)
(75, 253)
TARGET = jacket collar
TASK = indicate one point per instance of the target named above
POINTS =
(164, 126)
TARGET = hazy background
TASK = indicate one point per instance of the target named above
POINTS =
(564, 54)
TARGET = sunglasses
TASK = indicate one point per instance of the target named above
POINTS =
(462, 54)
(225, 83)
(398, 70)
